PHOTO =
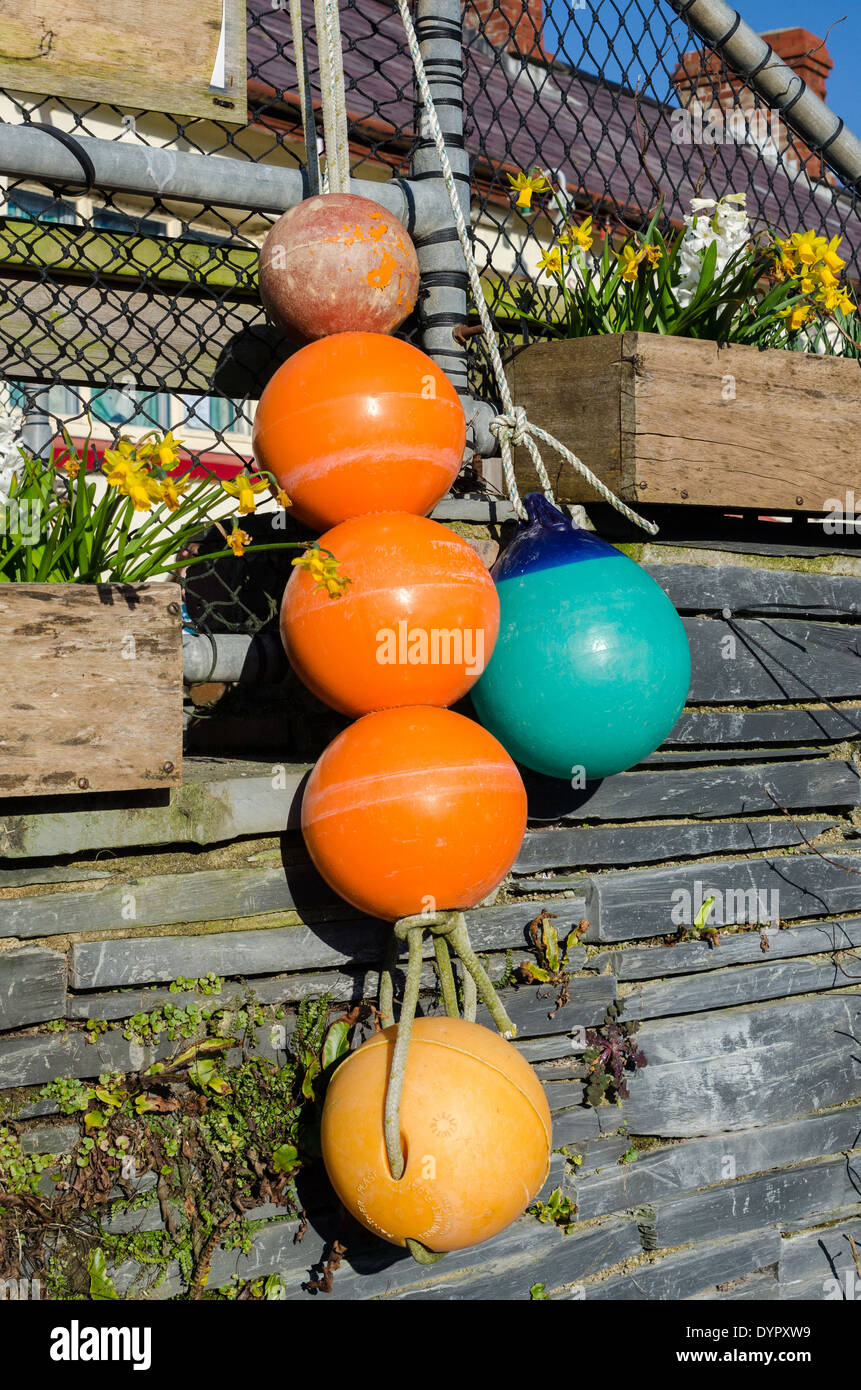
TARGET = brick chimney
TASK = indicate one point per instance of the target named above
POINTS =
(515, 25)
(702, 77)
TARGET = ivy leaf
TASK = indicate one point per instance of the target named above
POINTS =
(94, 1120)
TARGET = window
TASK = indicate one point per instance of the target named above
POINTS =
(112, 221)
(57, 400)
(38, 207)
(127, 406)
(217, 413)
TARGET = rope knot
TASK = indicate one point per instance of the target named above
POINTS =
(512, 426)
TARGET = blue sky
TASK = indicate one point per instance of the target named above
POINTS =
(597, 23)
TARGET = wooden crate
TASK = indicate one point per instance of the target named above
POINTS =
(90, 688)
(668, 420)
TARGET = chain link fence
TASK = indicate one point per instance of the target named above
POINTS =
(116, 307)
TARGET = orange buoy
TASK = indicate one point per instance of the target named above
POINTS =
(357, 423)
(475, 1127)
(338, 263)
(416, 626)
(414, 809)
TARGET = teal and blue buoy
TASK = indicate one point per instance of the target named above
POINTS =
(592, 666)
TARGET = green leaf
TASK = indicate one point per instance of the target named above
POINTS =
(101, 1284)
(336, 1043)
(285, 1158)
(94, 1120)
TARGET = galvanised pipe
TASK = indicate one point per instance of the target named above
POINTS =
(748, 54)
(26, 151)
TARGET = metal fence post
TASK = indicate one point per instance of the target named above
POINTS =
(443, 295)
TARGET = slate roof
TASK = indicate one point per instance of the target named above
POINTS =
(562, 119)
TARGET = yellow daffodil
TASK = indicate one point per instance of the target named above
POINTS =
(630, 261)
(807, 285)
(238, 540)
(846, 304)
(830, 256)
(72, 466)
(142, 488)
(244, 487)
(117, 464)
(797, 316)
(826, 278)
(830, 298)
(808, 246)
(323, 569)
(166, 450)
(653, 254)
(283, 498)
(527, 185)
(581, 235)
(551, 262)
(172, 490)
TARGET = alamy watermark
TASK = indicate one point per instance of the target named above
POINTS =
(734, 907)
(435, 646)
(717, 125)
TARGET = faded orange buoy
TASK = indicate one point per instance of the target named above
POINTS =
(359, 423)
(416, 626)
(476, 1135)
(338, 263)
(413, 809)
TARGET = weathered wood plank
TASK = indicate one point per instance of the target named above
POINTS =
(655, 902)
(656, 962)
(32, 986)
(741, 662)
(685, 1273)
(765, 1200)
(706, 792)
(642, 844)
(151, 960)
(776, 592)
(702, 1163)
(712, 1072)
(125, 55)
(66, 689)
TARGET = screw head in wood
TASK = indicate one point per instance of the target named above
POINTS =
(684, 494)
(799, 501)
(173, 608)
(83, 783)
(167, 767)
(642, 485)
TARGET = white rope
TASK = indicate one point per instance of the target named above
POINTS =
(333, 95)
(511, 427)
(309, 125)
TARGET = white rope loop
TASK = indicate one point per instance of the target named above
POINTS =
(511, 426)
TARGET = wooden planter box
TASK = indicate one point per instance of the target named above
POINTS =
(663, 419)
(90, 687)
